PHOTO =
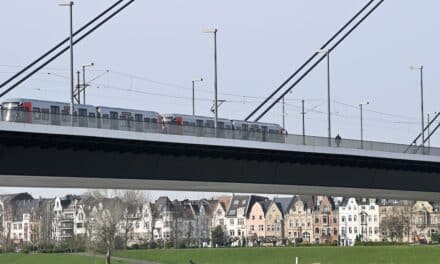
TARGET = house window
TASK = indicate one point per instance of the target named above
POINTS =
(241, 221)
(231, 233)
(261, 217)
(261, 227)
(317, 230)
(231, 221)
(252, 228)
(253, 217)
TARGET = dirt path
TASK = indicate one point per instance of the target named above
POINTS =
(126, 260)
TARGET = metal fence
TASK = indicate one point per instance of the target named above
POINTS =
(128, 124)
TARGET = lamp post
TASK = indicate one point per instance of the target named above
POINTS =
(214, 31)
(193, 94)
(303, 122)
(84, 86)
(429, 127)
(327, 54)
(284, 111)
(70, 5)
(420, 68)
(362, 122)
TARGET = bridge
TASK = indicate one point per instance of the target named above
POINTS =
(41, 155)
(35, 155)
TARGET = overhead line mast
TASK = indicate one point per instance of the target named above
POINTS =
(65, 49)
(319, 60)
(310, 59)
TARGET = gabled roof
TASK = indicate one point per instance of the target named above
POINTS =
(16, 196)
(243, 201)
(284, 204)
(22, 207)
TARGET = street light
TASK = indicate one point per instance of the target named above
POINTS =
(420, 68)
(84, 81)
(284, 112)
(429, 127)
(362, 125)
(193, 96)
(214, 31)
(70, 5)
(327, 54)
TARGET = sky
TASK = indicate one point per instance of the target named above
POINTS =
(153, 49)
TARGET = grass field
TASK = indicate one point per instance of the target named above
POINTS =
(308, 255)
(51, 259)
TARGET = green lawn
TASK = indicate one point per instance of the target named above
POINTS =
(308, 255)
(50, 259)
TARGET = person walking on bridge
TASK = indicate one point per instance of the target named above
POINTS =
(338, 140)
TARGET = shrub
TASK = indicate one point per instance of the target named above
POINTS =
(169, 244)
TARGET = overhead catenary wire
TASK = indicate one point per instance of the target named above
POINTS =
(309, 60)
(67, 48)
(320, 59)
(27, 67)
(256, 100)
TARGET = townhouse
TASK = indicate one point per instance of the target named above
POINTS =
(298, 220)
(325, 221)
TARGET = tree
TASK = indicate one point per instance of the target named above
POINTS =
(133, 200)
(396, 226)
(218, 236)
(104, 218)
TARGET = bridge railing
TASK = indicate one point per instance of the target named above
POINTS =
(46, 118)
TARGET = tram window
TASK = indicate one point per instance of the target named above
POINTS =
(209, 123)
(153, 120)
(82, 112)
(92, 115)
(122, 117)
(199, 123)
(113, 115)
(221, 125)
(245, 127)
(130, 118)
(105, 116)
(146, 119)
(45, 114)
(55, 110)
(36, 114)
(138, 117)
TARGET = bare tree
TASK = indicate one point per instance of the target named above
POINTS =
(105, 215)
(133, 200)
(396, 226)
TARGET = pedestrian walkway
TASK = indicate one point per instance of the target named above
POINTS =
(124, 260)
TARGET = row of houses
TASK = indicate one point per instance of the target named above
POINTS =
(244, 220)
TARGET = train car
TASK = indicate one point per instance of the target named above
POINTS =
(258, 131)
(48, 113)
(193, 125)
(34, 111)
(129, 119)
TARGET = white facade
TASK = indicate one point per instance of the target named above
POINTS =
(69, 219)
(359, 220)
(369, 220)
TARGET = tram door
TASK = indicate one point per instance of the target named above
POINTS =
(264, 133)
(55, 118)
(114, 122)
(82, 113)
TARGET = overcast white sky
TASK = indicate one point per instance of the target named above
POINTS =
(260, 44)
